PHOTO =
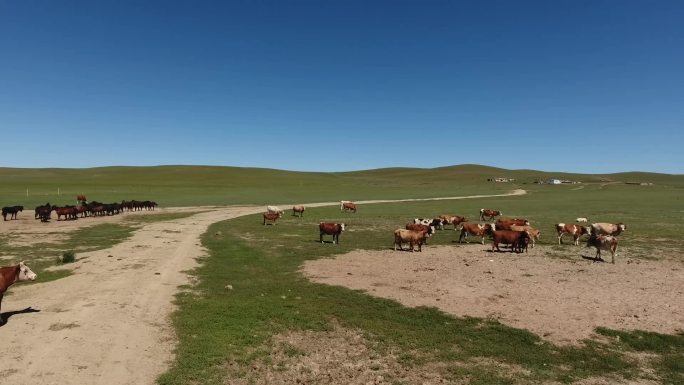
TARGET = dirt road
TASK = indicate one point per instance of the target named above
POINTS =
(109, 322)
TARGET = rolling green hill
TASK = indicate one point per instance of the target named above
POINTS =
(214, 185)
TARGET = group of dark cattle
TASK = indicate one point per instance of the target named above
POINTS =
(85, 209)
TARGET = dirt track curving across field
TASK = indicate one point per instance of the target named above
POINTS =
(108, 323)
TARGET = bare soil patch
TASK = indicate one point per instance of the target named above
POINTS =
(561, 300)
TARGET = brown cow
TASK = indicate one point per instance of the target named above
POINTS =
(477, 229)
(10, 275)
(506, 223)
(517, 239)
(534, 233)
(575, 230)
(604, 242)
(272, 217)
(451, 220)
(334, 229)
(68, 212)
(347, 206)
(608, 228)
(489, 214)
(412, 237)
(430, 230)
(298, 209)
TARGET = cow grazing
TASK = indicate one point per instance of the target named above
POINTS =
(581, 220)
(486, 214)
(533, 233)
(347, 206)
(575, 230)
(412, 237)
(476, 229)
(274, 209)
(273, 217)
(506, 223)
(451, 220)
(298, 210)
(517, 239)
(12, 211)
(10, 275)
(334, 229)
(604, 242)
(608, 228)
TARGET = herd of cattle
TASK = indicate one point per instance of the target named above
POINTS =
(517, 233)
(84, 209)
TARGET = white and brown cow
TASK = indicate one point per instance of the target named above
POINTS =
(347, 206)
(604, 242)
(274, 209)
(608, 228)
(455, 220)
(572, 229)
(334, 229)
(476, 229)
(489, 214)
(581, 220)
(11, 274)
(298, 210)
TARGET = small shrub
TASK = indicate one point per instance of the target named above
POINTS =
(68, 257)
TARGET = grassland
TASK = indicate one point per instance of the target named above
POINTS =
(204, 185)
(221, 329)
(224, 332)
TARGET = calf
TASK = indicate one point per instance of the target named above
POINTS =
(489, 214)
(506, 223)
(575, 230)
(298, 209)
(533, 233)
(608, 228)
(334, 229)
(412, 237)
(604, 242)
(517, 239)
(581, 220)
(451, 220)
(273, 217)
(10, 275)
(477, 229)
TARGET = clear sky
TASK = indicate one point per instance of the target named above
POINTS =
(565, 85)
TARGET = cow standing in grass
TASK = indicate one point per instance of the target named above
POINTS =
(298, 210)
(273, 217)
(334, 229)
(11, 274)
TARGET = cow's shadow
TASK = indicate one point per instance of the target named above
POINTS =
(593, 259)
(6, 315)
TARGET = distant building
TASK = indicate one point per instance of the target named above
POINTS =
(503, 180)
(554, 181)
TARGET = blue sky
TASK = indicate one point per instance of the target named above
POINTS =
(569, 85)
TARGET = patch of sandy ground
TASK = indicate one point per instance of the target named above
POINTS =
(108, 323)
(561, 300)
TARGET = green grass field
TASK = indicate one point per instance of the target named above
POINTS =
(220, 329)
